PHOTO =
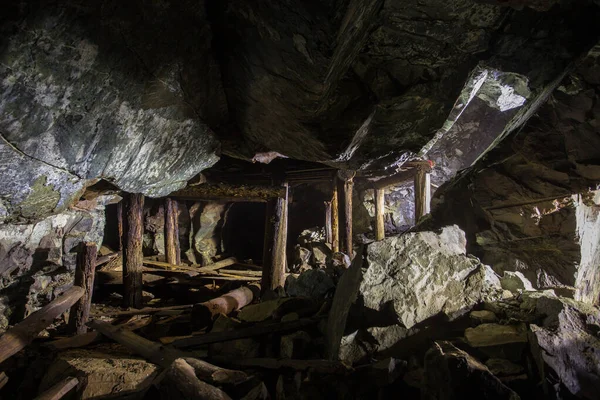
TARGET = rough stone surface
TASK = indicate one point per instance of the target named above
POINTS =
(515, 282)
(516, 207)
(569, 344)
(100, 92)
(587, 281)
(502, 367)
(314, 283)
(495, 334)
(240, 348)
(451, 373)
(261, 311)
(206, 219)
(37, 261)
(107, 370)
(425, 273)
(483, 316)
(409, 279)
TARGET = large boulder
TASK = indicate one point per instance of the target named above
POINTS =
(424, 273)
(409, 279)
(451, 373)
(88, 93)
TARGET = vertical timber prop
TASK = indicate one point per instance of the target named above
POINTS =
(274, 254)
(172, 249)
(84, 277)
(335, 218)
(120, 223)
(379, 197)
(348, 177)
(422, 191)
(133, 229)
(328, 231)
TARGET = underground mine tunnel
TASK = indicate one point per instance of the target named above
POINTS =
(300, 199)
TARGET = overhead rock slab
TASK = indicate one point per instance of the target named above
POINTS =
(86, 93)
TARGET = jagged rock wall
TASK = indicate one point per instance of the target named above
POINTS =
(37, 260)
(506, 205)
(103, 91)
(588, 230)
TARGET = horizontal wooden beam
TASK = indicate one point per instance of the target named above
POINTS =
(404, 175)
(228, 192)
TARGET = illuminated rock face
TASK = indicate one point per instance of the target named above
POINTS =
(84, 97)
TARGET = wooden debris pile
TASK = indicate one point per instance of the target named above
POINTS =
(203, 333)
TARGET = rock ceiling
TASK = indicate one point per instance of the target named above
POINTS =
(146, 95)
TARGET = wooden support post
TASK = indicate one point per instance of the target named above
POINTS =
(172, 249)
(59, 390)
(274, 254)
(328, 231)
(133, 229)
(379, 197)
(348, 177)
(335, 218)
(120, 223)
(422, 193)
(19, 336)
(84, 277)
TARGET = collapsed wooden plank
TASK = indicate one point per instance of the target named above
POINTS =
(164, 355)
(19, 336)
(212, 373)
(193, 268)
(319, 366)
(183, 376)
(84, 277)
(152, 351)
(59, 390)
(91, 337)
(252, 331)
